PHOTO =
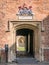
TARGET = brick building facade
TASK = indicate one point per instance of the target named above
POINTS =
(10, 22)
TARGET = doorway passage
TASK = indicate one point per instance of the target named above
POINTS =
(24, 42)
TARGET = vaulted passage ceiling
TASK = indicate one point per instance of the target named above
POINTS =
(23, 31)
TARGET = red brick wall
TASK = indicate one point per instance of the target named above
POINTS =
(46, 33)
(46, 55)
(9, 9)
(3, 56)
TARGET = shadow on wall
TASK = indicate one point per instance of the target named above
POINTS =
(46, 19)
(46, 25)
(3, 54)
(13, 47)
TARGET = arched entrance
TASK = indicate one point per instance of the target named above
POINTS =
(34, 38)
(25, 42)
(26, 39)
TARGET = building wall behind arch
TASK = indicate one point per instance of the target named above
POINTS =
(46, 38)
(8, 11)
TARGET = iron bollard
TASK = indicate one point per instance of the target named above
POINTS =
(0, 59)
(6, 52)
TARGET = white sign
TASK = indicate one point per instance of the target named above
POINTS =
(25, 17)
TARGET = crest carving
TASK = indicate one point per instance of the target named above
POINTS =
(24, 10)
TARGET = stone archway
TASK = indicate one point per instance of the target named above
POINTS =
(36, 27)
(36, 38)
(24, 42)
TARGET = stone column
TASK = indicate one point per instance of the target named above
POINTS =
(28, 43)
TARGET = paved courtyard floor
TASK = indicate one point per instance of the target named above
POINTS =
(26, 61)
(24, 64)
